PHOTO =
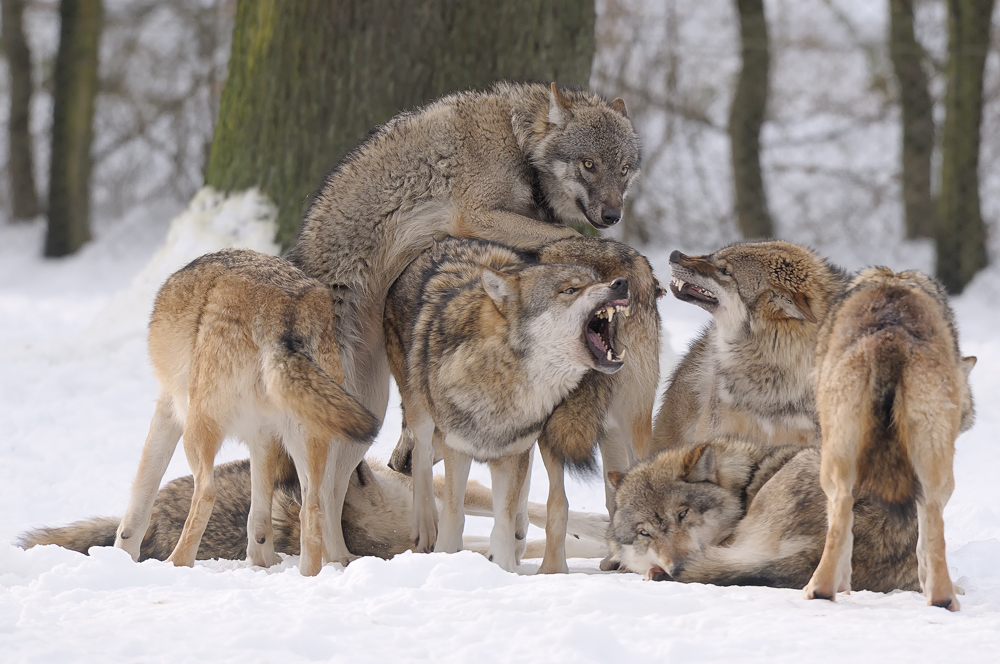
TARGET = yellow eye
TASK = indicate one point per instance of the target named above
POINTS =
(624, 170)
(588, 164)
(570, 290)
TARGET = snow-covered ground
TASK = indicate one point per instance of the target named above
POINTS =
(76, 395)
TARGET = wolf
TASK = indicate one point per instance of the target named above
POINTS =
(735, 512)
(893, 393)
(615, 410)
(749, 372)
(376, 518)
(484, 344)
(514, 164)
(242, 343)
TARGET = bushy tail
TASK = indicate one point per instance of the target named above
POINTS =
(78, 536)
(722, 566)
(300, 386)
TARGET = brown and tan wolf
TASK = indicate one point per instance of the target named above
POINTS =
(893, 394)
(484, 344)
(734, 512)
(616, 409)
(749, 373)
(513, 164)
(242, 344)
(376, 518)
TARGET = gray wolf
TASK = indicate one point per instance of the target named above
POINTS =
(616, 410)
(893, 393)
(376, 518)
(483, 345)
(242, 344)
(514, 164)
(749, 372)
(734, 512)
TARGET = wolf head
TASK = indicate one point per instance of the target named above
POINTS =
(752, 285)
(559, 313)
(585, 152)
(669, 508)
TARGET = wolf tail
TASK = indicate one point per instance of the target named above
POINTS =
(300, 386)
(78, 536)
(723, 566)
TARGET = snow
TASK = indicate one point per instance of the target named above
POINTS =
(76, 395)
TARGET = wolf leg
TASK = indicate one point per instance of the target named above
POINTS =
(311, 523)
(260, 533)
(423, 529)
(342, 459)
(202, 439)
(509, 477)
(164, 432)
(452, 521)
(556, 514)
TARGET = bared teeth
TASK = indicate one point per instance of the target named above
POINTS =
(610, 311)
(609, 356)
(621, 356)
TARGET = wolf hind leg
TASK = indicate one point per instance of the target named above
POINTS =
(509, 479)
(424, 521)
(452, 520)
(164, 432)
(264, 450)
(343, 457)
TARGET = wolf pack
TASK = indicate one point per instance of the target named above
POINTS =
(805, 440)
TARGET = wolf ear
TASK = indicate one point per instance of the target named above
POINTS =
(700, 466)
(967, 364)
(796, 306)
(499, 286)
(560, 108)
(615, 477)
(619, 105)
(658, 289)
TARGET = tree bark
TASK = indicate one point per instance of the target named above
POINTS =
(917, 120)
(745, 119)
(961, 234)
(73, 126)
(309, 79)
(24, 196)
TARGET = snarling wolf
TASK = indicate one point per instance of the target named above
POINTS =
(242, 344)
(484, 344)
(893, 394)
(514, 164)
(734, 512)
(376, 518)
(749, 372)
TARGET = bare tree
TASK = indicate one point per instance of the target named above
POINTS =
(21, 167)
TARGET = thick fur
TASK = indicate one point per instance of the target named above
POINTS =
(242, 344)
(376, 518)
(513, 165)
(893, 394)
(749, 372)
(495, 342)
(733, 512)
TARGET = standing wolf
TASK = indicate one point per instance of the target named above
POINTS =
(893, 394)
(242, 344)
(749, 373)
(513, 165)
(484, 344)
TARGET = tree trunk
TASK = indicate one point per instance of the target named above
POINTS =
(745, 119)
(917, 120)
(22, 175)
(961, 234)
(73, 126)
(309, 79)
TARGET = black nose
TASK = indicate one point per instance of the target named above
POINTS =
(611, 216)
(620, 286)
(676, 256)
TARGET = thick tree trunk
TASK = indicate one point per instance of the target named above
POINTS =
(917, 120)
(72, 126)
(22, 175)
(961, 234)
(308, 79)
(745, 119)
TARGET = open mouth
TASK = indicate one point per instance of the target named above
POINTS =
(599, 337)
(686, 292)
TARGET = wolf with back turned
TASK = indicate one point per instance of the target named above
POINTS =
(514, 164)
(893, 393)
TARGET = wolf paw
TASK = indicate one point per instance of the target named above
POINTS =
(610, 564)
(550, 567)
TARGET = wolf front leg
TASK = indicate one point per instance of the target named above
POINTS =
(452, 522)
(423, 529)
(509, 479)
(509, 228)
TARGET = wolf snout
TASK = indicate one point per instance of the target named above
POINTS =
(620, 287)
(611, 216)
(676, 256)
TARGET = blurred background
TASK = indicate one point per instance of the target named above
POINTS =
(867, 128)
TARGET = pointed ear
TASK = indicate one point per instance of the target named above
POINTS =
(797, 306)
(700, 466)
(615, 477)
(619, 105)
(560, 108)
(499, 286)
(967, 364)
